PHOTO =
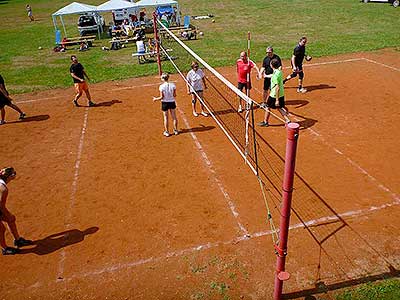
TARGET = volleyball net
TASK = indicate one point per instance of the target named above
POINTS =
(221, 100)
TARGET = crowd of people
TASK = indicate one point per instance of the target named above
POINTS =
(273, 87)
(271, 72)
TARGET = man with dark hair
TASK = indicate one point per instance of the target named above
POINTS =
(6, 175)
(266, 70)
(78, 75)
(299, 53)
(276, 97)
(6, 100)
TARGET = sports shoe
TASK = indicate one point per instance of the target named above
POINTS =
(240, 109)
(21, 242)
(91, 104)
(76, 103)
(195, 114)
(166, 133)
(22, 116)
(302, 90)
(176, 132)
(204, 114)
(2, 122)
(263, 105)
(9, 251)
(263, 124)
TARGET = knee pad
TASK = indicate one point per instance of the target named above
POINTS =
(194, 100)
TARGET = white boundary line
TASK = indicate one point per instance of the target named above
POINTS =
(381, 64)
(117, 267)
(208, 163)
(72, 198)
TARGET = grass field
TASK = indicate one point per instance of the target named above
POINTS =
(338, 26)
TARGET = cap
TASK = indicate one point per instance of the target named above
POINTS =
(270, 49)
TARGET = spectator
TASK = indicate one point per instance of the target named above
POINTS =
(29, 10)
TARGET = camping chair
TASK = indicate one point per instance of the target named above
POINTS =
(186, 22)
(165, 23)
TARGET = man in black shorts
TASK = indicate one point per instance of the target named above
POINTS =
(266, 71)
(6, 100)
(299, 53)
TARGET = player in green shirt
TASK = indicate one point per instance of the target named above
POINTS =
(276, 97)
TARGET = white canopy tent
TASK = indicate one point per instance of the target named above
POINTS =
(116, 5)
(70, 9)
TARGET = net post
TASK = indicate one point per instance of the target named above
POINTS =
(287, 189)
(248, 62)
(156, 37)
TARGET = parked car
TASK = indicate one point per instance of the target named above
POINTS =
(90, 23)
(395, 3)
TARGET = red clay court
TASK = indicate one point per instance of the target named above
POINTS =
(118, 211)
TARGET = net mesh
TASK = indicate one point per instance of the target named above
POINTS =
(221, 98)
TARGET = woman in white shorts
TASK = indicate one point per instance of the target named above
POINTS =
(196, 85)
(167, 97)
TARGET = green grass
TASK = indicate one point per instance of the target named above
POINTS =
(383, 290)
(333, 27)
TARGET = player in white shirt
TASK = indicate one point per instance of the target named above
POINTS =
(196, 85)
(167, 97)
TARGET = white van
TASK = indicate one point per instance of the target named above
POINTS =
(90, 23)
(395, 3)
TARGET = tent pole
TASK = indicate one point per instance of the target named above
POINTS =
(62, 22)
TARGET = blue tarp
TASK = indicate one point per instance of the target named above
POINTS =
(164, 10)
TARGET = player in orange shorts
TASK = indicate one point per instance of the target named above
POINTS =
(78, 75)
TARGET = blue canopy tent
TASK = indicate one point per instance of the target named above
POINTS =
(161, 5)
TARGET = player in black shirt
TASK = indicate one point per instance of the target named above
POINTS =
(266, 70)
(6, 100)
(78, 74)
(299, 53)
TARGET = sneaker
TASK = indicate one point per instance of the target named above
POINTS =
(195, 114)
(263, 105)
(263, 124)
(21, 242)
(204, 114)
(9, 251)
(91, 104)
(240, 109)
(166, 133)
(176, 132)
(22, 116)
(2, 122)
(76, 103)
(302, 90)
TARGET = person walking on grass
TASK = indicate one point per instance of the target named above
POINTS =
(5, 99)
(78, 74)
(299, 53)
(196, 86)
(168, 105)
(29, 11)
(276, 99)
(6, 175)
(266, 72)
(243, 69)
